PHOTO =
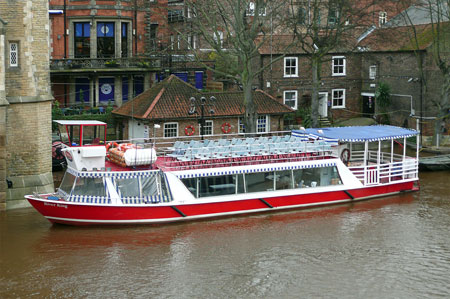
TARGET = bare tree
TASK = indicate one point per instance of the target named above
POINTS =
(235, 30)
(436, 13)
(323, 26)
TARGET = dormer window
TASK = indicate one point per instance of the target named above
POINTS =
(382, 18)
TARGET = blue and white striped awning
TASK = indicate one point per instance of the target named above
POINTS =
(357, 134)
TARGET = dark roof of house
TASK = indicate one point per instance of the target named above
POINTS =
(170, 99)
(398, 39)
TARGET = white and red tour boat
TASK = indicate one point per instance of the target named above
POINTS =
(135, 183)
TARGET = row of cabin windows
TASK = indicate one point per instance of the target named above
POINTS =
(131, 187)
(290, 98)
(262, 126)
(262, 181)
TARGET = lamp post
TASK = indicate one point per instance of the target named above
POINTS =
(202, 104)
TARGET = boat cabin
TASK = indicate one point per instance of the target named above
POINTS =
(84, 143)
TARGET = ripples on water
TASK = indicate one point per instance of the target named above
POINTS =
(396, 247)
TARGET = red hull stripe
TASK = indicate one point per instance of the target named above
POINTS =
(102, 214)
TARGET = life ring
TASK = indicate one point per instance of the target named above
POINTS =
(345, 156)
(226, 128)
(189, 130)
(111, 145)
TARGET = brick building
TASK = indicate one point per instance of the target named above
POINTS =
(25, 101)
(106, 52)
(168, 104)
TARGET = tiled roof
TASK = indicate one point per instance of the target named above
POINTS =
(398, 39)
(170, 99)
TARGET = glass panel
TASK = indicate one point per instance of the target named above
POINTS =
(74, 134)
(315, 177)
(240, 186)
(149, 185)
(67, 182)
(258, 182)
(93, 135)
(217, 185)
(283, 179)
(128, 187)
(89, 187)
(63, 134)
(105, 40)
(191, 185)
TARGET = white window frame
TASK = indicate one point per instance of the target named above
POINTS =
(166, 128)
(372, 72)
(172, 41)
(290, 67)
(295, 99)
(13, 51)
(178, 41)
(208, 124)
(344, 66)
(266, 126)
(333, 98)
(218, 38)
(251, 10)
(382, 18)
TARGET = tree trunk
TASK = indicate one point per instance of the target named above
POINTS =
(315, 91)
(250, 115)
(444, 106)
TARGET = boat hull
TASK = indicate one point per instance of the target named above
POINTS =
(89, 214)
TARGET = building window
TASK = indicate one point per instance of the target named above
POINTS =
(241, 125)
(338, 98)
(251, 9)
(372, 72)
(153, 34)
(218, 38)
(124, 41)
(338, 65)
(382, 18)
(172, 41)
(301, 16)
(290, 98)
(175, 15)
(290, 67)
(192, 42)
(170, 130)
(82, 40)
(208, 128)
(13, 54)
(178, 41)
(262, 124)
(105, 40)
(333, 16)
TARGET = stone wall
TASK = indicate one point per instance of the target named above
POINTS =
(27, 124)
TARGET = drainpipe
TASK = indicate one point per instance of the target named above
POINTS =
(65, 30)
(135, 28)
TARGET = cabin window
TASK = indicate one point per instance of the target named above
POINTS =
(74, 134)
(191, 185)
(217, 185)
(316, 177)
(128, 187)
(260, 181)
(89, 187)
(67, 183)
(150, 185)
(63, 134)
(283, 180)
(93, 135)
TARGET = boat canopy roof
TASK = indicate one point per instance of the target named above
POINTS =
(356, 134)
(79, 122)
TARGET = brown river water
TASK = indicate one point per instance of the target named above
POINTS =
(393, 247)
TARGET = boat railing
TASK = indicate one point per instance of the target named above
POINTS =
(241, 152)
(387, 170)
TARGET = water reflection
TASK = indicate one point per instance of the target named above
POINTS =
(390, 247)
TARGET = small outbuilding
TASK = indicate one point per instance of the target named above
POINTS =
(179, 109)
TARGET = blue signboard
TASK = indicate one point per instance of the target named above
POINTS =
(199, 80)
(106, 89)
(124, 89)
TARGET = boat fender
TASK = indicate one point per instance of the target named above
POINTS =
(226, 128)
(189, 130)
(345, 156)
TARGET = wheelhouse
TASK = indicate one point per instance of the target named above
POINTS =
(75, 133)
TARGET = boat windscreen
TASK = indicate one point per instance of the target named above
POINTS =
(89, 186)
(67, 182)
